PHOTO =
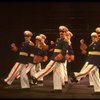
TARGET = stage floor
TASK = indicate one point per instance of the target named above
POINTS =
(70, 91)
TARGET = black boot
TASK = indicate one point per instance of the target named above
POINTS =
(73, 78)
(3, 83)
(34, 80)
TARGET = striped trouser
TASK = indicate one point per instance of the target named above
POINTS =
(14, 71)
(85, 71)
(57, 69)
(50, 66)
(35, 69)
(28, 67)
(32, 68)
(90, 74)
(65, 71)
(94, 72)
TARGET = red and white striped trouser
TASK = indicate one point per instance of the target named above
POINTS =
(50, 66)
(14, 71)
(83, 73)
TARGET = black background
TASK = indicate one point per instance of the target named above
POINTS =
(45, 17)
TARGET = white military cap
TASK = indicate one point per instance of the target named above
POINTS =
(39, 38)
(43, 36)
(63, 28)
(28, 33)
(97, 29)
(94, 34)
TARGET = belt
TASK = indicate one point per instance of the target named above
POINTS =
(94, 53)
(23, 53)
(57, 50)
(31, 55)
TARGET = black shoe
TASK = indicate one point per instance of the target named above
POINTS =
(95, 93)
(73, 78)
(32, 83)
(3, 83)
(90, 85)
(66, 82)
(34, 80)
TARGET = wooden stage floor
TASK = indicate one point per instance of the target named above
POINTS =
(70, 91)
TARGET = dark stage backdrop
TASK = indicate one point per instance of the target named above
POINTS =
(45, 17)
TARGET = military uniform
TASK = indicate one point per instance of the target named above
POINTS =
(93, 66)
(22, 59)
(90, 48)
(23, 74)
(30, 59)
(35, 58)
(55, 65)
